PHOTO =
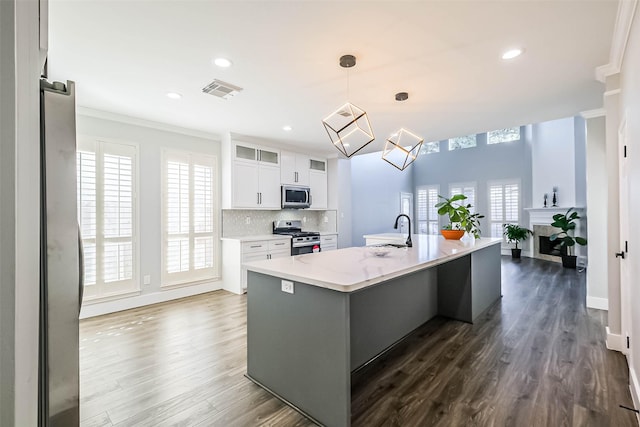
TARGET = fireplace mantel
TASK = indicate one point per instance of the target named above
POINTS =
(545, 215)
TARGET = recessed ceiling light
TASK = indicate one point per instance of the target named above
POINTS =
(174, 95)
(513, 53)
(222, 62)
(286, 128)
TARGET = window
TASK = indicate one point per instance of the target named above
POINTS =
(106, 183)
(460, 142)
(504, 205)
(189, 222)
(430, 147)
(503, 135)
(468, 189)
(427, 213)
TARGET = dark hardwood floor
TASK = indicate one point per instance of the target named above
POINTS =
(536, 358)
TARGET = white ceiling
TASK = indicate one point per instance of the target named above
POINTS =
(126, 55)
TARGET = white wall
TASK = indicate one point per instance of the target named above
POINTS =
(19, 213)
(597, 291)
(553, 161)
(339, 190)
(151, 141)
(630, 106)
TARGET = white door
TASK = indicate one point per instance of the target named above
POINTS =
(318, 185)
(625, 294)
(406, 207)
(269, 187)
(245, 185)
(287, 167)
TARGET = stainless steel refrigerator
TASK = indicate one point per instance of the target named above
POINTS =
(60, 258)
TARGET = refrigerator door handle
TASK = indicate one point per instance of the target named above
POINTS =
(81, 268)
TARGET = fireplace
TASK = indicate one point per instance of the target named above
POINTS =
(543, 248)
(552, 248)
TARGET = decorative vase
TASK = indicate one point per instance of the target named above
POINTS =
(452, 234)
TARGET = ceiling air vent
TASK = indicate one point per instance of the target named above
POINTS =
(221, 89)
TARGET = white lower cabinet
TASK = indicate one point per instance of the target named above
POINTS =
(236, 252)
(328, 242)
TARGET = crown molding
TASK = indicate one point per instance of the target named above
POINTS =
(115, 117)
(624, 19)
(592, 114)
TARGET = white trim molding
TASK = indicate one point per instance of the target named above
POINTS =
(624, 19)
(121, 304)
(598, 303)
(614, 341)
(634, 386)
(592, 114)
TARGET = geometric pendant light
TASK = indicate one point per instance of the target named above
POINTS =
(403, 147)
(348, 127)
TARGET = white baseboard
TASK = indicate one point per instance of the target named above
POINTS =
(507, 251)
(614, 341)
(113, 306)
(634, 386)
(598, 303)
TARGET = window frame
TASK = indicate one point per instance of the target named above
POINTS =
(503, 183)
(192, 276)
(424, 151)
(428, 220)
(475, 136)
(102, 290)
(505, 142)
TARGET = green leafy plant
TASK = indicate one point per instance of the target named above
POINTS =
(459, 214)
(514, 233)
(566, 222)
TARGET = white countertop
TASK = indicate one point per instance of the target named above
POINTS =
(389, 236)
(350, 269)
(258, 237)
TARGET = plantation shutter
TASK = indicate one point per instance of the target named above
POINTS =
(427, 213)
(106, 213)
(504, 206)
(468, 190)
(190, 233)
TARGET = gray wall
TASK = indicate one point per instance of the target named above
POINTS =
(375, 195)
(549, 153)
(581, 160)
(481, 164)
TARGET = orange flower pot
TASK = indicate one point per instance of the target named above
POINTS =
(452, 234)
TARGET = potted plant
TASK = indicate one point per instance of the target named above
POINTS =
(514, 234)
(566, 223)
(461, 219)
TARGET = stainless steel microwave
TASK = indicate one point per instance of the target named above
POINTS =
(295, 197)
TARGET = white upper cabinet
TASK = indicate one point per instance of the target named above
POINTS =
(294, 169)
(318, 183)
(251, 176)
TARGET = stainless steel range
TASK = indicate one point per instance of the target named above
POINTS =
(302, 242)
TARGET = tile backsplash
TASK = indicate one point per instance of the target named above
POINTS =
(234, 221)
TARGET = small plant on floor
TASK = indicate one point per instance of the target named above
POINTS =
(459, 214)
(567, 223)
(514, 234)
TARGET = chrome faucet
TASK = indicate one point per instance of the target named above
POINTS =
(395, 226)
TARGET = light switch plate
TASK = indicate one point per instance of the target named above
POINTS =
(287, 286)
(146, 279)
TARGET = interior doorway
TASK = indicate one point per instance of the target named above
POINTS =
(406, 207)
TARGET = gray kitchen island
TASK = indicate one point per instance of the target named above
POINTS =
(312, 320)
